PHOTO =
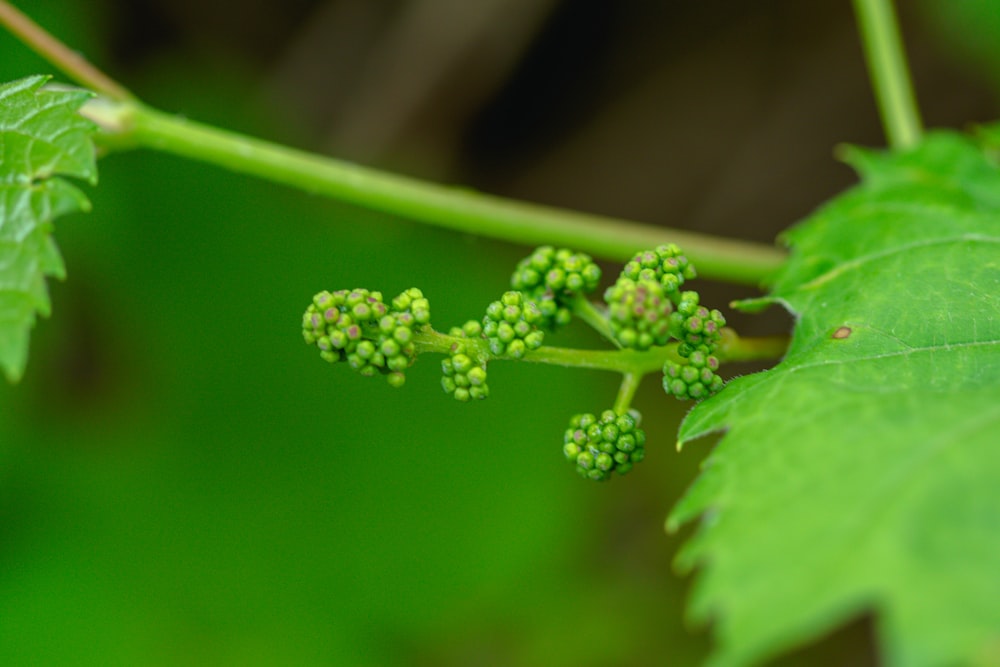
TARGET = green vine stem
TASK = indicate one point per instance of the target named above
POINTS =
(888, 72)
(450, 207)
(128, 123)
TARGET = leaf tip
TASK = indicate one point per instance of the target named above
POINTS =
(46, 140)
(751, 306)
(14, 359)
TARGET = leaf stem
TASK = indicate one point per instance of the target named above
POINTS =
(71, 63)
(888, 72)
(451, 207)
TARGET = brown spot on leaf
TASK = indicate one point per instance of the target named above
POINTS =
(841, 333)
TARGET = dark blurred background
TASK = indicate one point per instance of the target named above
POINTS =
(184, 482)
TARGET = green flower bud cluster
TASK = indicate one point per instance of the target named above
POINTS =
(601, 445)
(646, 308)
(356, 326)
(511, 326)
(666, 264)
(695, 326)
(413, 303)
(699, 331)
(551, 277)
(639, 313)
(464, 375)
(695, 379)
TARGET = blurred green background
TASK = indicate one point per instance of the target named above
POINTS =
(184, 482)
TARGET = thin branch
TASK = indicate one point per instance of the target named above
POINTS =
(71, 63)
(732, 347)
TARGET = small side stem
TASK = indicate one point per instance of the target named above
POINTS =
(731, 348)
(435, 342)
(587, 311)
(888, 72)
(626, 392)
(621, 361)
(66, 59)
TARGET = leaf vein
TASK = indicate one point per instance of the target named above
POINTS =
(860, 261)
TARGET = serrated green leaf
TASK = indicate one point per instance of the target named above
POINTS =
(41, 138)
(862, 474)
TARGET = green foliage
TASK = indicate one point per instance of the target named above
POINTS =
(857, 475)
(870, 452)
(41, 138)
